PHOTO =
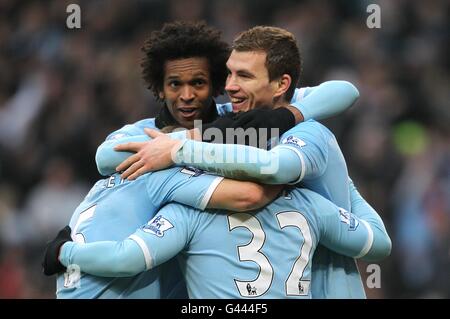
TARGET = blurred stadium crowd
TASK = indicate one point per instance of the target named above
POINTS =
(62, 91)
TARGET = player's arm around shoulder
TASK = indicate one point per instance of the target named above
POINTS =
(310, 144)
(340, 230)
(107, 159)
(104, 258)
(325, 100)
(166, 234)
(242, 196)
(382, 244)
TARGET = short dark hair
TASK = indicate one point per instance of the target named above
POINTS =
(283, 53)
(181, 40)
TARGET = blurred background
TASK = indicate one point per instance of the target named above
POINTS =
(63, 90)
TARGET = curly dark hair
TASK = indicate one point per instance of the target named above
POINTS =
(181, 40)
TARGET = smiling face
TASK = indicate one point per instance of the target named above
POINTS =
(248, 82)
(187, 90)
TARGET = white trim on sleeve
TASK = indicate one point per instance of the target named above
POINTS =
(369, 241)
(302, 162)
(144, 248)
(210, 192)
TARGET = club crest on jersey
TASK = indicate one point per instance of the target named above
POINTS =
(293, 141)
(349, 219)
(157, 226)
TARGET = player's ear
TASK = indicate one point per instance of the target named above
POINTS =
(282, 85)
(161, 95)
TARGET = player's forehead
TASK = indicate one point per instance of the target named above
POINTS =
(247, 60)
(186, 68)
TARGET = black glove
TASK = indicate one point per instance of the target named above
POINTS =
(262, 117)
(221, 123)
(51, 264)
(267, 118)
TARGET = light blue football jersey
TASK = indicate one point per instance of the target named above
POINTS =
(325, 172)
(266, 253)
(112, 210)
